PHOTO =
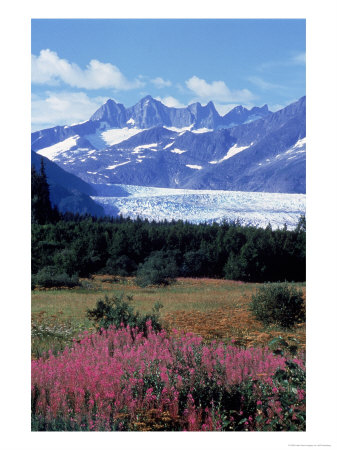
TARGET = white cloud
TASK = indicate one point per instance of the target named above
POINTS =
(276, 107)
(48, 68)
(224, 109)
(181, 88)
(300, 58)
(264, 85)
(171, 102)
(296, 59)
(62, 108)
(160, 83)
(217, 91)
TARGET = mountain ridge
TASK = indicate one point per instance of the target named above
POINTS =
(147, 113)
(150, 144)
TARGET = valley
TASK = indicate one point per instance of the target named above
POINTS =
(198, 206)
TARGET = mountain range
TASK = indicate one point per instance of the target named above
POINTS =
(150, 144)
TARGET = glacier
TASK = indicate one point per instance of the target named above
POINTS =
(204, 206)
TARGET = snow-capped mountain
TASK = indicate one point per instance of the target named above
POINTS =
(148, 113)
(150, 144)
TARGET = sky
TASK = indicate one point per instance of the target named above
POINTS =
(77, 64)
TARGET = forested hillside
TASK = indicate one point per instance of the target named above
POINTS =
(67, 192)
(83, 245)
(118, 246)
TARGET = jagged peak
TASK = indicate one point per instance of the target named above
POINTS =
(111, 102)
(194, 104)
(107, 110)
(147, 98)
(210, 104)
(237, 109)
(263, 109)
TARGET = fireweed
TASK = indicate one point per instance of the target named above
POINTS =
(119, 380)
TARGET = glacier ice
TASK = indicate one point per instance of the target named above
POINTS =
(198, 206)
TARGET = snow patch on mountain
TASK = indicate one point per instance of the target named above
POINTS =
(194, 166)
(179, 130)
(117, 135)
(117, 165)
(235, 150)
(231, 152)
(183, 130)
(178, 151)
(140, 148)
(53, 151)
(202, 130)
(253, 118)
(300, 143)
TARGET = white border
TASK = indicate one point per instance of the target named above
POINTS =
(321, 214)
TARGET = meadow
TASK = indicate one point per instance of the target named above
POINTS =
(212, 367)
(210, 308)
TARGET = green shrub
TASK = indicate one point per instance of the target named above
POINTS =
(234, 269)
(278, 303)
(49, 277)
(279, 345)
(157, 269)
(122, 266)
(118, 311)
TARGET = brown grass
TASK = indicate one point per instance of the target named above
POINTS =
(213, 309)
(229, 325)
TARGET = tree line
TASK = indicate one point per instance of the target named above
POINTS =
(82, 245)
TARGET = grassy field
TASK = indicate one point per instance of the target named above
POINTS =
(213, 309)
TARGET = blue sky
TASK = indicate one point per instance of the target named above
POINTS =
(79, 64)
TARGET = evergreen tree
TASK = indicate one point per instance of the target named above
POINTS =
(41, 209)
(83, 245)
